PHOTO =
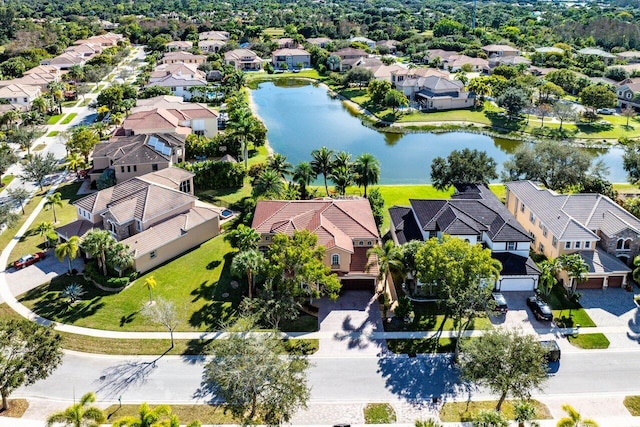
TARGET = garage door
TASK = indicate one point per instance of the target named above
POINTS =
(592, 283)
(615, 282)
(516, 284)
(358, 285)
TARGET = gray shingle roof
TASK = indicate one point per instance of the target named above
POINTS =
(599, 261)
(515, 265)
(404, 224)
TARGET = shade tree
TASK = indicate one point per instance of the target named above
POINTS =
(464, 166)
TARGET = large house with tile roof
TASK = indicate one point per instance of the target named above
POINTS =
(345, 227)
(184, 57)
(19, 94)
(156, 215)
(136, 155)
(475, 215)
(603, 233)
(243, 60)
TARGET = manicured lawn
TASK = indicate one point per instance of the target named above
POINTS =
(307, 74)
(465, 411)
(10, 232)
(206, 414)
(561, 307)
(54, 119)
(590, 341)
(428, 317)
(421, 346)
(379, 413)
(198, 283)
(475, 115)
(69, 117)
(69, 103)
(53, 133)
(274, 32)
(6, 180)
(39, 147)
(632, 403)
(31, 242)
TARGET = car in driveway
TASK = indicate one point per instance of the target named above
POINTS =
(27, 260)
(539, 308)
(606, 111)
(500, 302)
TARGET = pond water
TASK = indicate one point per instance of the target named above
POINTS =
(301, 117)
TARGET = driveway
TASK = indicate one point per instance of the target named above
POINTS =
(21, 281)
(519, 315)
(346, 324)
(614, 308)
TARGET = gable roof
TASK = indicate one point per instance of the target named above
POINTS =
(135, 149)
(499, 48)
(336, 222)
(404, 224)
(290, 52)
(574, 216)
(19, 90)
(595, 51)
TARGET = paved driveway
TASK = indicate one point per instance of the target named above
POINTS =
(21, 281)
(354, 312)
(614, 308)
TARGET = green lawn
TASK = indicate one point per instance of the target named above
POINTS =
(69, 103)
(475, 115)
(567, 313)
(259, 77)
(30, 241)
(6, 180)
(590, 341)
(69, 117)
(632, 403)
(465, 411)
(54, 119)
(53, 133)
(428, 317)
(379, 413)
(206, 414)
(421, 346)
(197, 283)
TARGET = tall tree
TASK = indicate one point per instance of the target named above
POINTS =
(255, 381)
(631, 162)
(80, 414)
(268, 184)
(513, 100)
(240, 124)
(464, 166)
(463, 275)
(119, 257)
(96, 243)
(279, 164)
(389, 260)
(342, 177)
(18, 196)
(505, 361)
(629, 113)
(243, 238)
(37, 167)
(322, 163)
(68, 249)
(163, 313)
(597, 96)
(83, 140)
(303, 174)
(44, 230)
(574, 419)
(248, 263)
(576, 268)
(563, 112)
(29, 352)
(548, 276)
(8, 217)
(51, 202)
(395, 99)
(75, 161)
(367, 169)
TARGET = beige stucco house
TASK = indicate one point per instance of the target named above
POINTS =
(20, 94)
(155, 214)
(185, 57)
(345, 227)
(604, 234)
(243, 59)
(291, 57)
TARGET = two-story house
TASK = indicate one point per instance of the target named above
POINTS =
(475, 215)
(243, 59)
(291, 57)
(349, 57)
(626, 93)
(604, 234)
(155, 214)
(19, 94)
(184, 80)
(184, 57)
(440, 93)
(345, 227)
(178, 45)
(131, 156)
(496, 50)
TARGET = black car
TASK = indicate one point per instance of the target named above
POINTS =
(552, 350)
(500, 302)
(539, 308)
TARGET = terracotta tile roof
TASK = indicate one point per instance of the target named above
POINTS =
(336, 222)
(170, 229)
(360, 260)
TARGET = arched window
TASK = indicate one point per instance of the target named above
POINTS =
(627, 244)
(335, 259)
(620, 244)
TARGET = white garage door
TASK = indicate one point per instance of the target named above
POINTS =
(515, 284)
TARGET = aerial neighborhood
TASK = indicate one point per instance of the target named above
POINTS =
(417, 212)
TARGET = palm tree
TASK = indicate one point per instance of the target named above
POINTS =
(79, 414)
(367, 170)
(268, 184)
(68, 249)
(279, 164)
(150, 283)
(576, 268)
(40, 105)
(342, 177)
(389, 259)
(51, 202)
(57, 94)
(548, 272)
(75, 161)
(342, 159)
(240, 125)
(147, 417)
(119, 257)
(44, 229)
(100, 127)
(574, 419)
(322, 163)
(10, 118)
(303, 174)
(248, 262)
(96, 243)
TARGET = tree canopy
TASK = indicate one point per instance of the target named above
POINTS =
(464, 166)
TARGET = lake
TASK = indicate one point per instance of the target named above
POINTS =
(301, 117)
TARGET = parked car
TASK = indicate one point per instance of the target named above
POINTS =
(501, 302)
(539, 308)
(606, 111)
(27, 260)
(552, 350)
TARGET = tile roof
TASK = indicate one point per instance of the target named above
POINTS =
(515, 265)
(336, 221)
(18, 90)
(574, 216)
(170, 229)
(176, 106)
(499, 48)
(349, 51)
(289, 52)
(170, 177)
(79, 228)
(599, 261)
(181, 55)
(242, 55)
(595, 51)
(214, 35)
(128, 150)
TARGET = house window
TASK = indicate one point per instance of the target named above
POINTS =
(567, 245)
(627, 244)
(173, 89)
(544, 231)
(138, 225)
(135, 168)
(511, 246)
(128, 168)
(369, 243)
(122, 169)
(154, 167)
(577, 245)
(335, 259)
(360, 243)
(185, 186)
(532, 218)
(152, 254)
(620, 244)
(112, 227)
(541, 247)
(554, 242)
(522, 207)
(267, 238)
(587, 245)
